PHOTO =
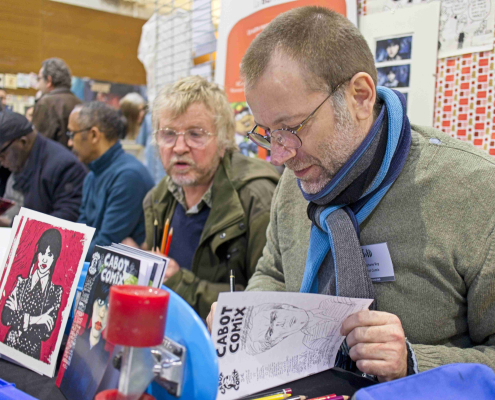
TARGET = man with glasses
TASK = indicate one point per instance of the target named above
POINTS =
(216, 200)
(45, 176)
(115, 187)
(358, 174)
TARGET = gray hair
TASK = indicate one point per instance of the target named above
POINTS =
(58, 70)
(177, 97)
(107, 119)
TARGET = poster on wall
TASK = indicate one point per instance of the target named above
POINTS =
(466, 26)
(240, 24)
(405, 49)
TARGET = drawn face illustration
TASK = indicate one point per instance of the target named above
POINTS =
(45, 261)
(99, 319)
(392, 50)
(275, 324)
(391, 76)
(244, 122)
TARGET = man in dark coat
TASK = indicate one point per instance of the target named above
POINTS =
(48, 175)
(52, 110)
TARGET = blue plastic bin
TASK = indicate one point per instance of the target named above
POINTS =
(8, 391)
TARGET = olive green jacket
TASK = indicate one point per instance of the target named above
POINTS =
(234, 233)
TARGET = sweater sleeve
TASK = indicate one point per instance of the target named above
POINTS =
(123, 212)
(269, 274)
(481, 320)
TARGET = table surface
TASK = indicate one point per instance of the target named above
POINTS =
(326, 382)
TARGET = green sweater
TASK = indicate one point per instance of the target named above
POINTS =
(438, 221)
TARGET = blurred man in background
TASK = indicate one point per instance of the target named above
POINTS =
(52, 110)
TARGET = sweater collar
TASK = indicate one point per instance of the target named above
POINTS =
(103, 162)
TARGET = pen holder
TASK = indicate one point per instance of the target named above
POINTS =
(136, 320)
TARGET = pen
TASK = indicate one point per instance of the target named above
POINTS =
(331, 397)
(232, 284)
(169, 240)
(155, 234)
(256, 396)
(165, 236)
(279, 397)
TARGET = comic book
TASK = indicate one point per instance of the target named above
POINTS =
(87, 356)
(266, 339)
(40, 270)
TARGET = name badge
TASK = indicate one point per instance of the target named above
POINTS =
(379, 263)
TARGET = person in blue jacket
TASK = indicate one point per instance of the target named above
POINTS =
(115, 187)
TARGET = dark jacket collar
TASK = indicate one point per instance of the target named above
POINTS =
(58, 91)
(22, 178)
(103, 162)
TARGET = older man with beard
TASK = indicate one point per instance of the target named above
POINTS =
(359, 174)
(216, 199)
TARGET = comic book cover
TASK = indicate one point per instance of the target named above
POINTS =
(266, 339)
(40, 272)
(87, 353)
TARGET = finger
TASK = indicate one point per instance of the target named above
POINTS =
(375, 334)
(385, 371)
(377, 351)
(367, 318)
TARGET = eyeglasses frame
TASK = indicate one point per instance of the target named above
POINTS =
(209, 134)
(295, 130)
(70, 134)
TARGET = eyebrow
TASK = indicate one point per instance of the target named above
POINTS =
(284, 118)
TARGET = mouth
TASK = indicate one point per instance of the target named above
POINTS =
(181, 165)
(300, 173)
(98, 326)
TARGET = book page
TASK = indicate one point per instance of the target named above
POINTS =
(265, 339)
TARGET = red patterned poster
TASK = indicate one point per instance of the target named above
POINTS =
(41, 272)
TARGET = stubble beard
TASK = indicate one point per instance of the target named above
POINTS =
(194, 175)
(332, 154)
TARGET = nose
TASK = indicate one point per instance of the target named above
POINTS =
(280, 154)
(181, 146)
(101, 313)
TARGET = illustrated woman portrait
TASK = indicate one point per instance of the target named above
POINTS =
(31, 309)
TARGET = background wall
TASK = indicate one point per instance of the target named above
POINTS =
(95, 44)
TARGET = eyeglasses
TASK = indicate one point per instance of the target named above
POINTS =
(71, 134)
(195, 138)
(286, 137)
(6, 147)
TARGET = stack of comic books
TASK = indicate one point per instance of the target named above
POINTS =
(86, 366)
(39, 273)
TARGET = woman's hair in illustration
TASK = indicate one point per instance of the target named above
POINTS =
(260, 344)
(50, 237)
(101, 290)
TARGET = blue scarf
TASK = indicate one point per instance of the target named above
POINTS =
(398, 142)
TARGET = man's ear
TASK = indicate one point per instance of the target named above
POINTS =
(95, 135)
(362, 92)
(49, 81)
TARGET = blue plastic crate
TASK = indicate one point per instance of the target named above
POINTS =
(8, 391)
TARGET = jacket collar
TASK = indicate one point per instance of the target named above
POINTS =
(23, 177)
(103, 162)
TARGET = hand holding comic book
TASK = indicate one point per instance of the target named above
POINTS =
(266, 339)
(377, 344)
